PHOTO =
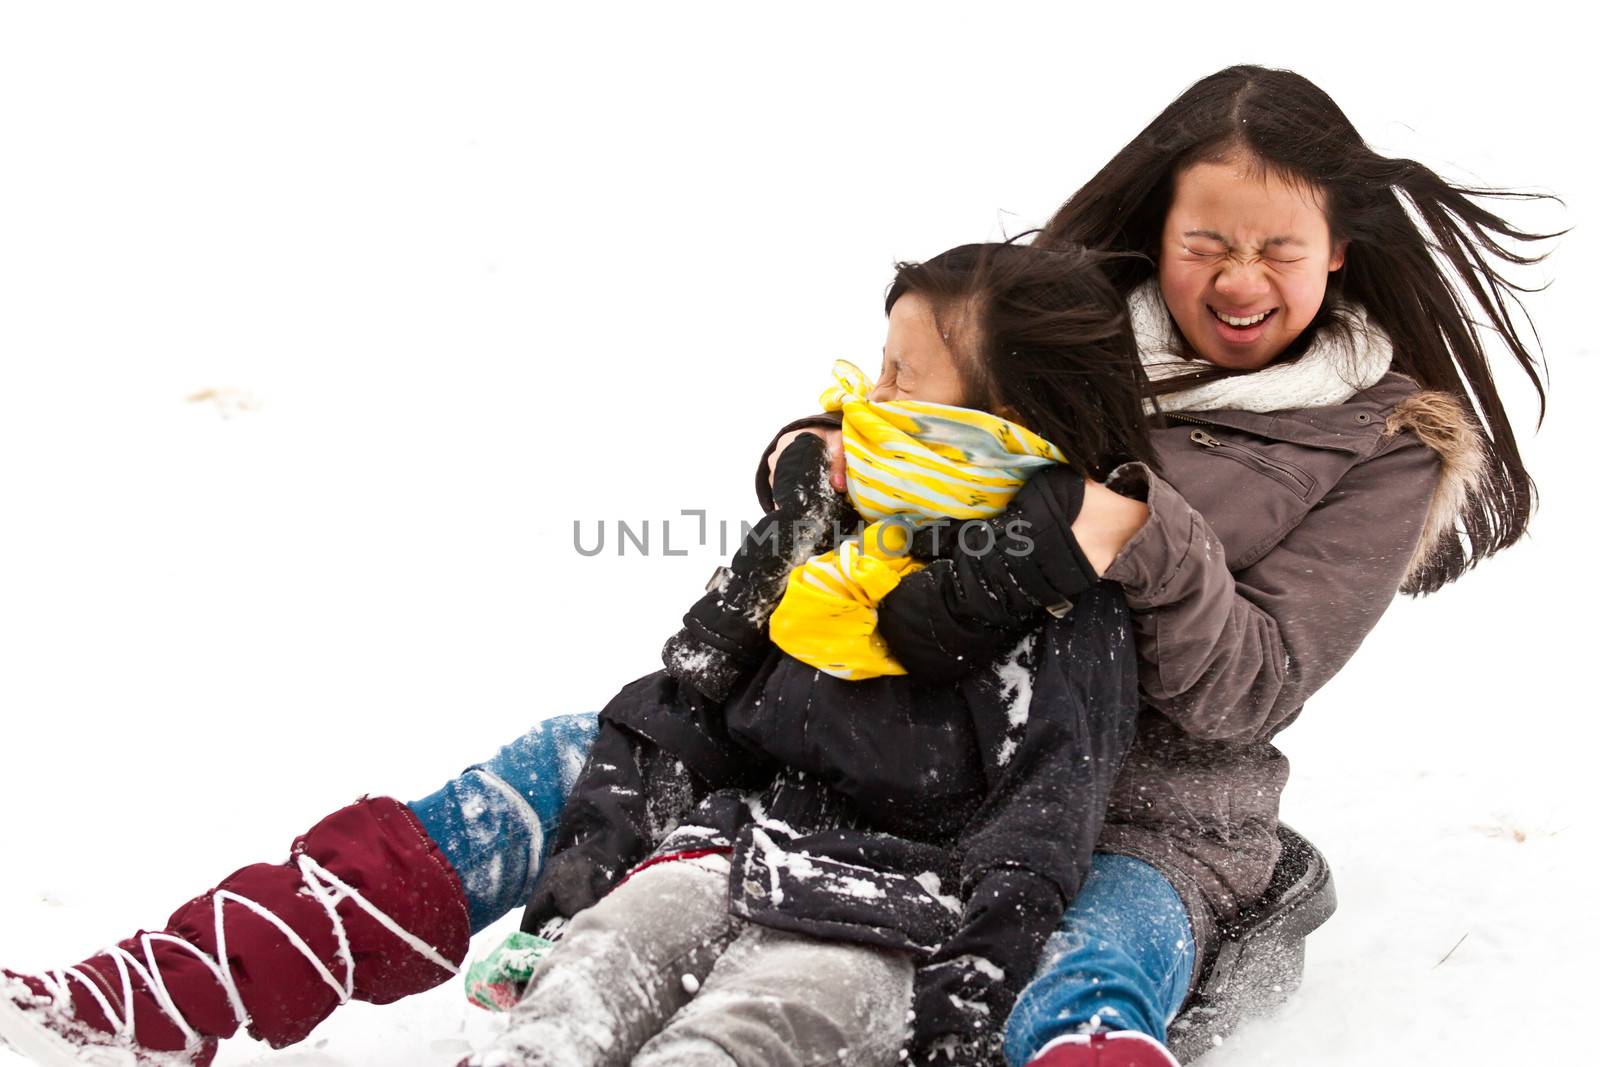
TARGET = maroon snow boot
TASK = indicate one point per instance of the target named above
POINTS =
(1120, 1048)
(366, 908)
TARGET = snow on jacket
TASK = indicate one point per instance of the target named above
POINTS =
(914, 816)
(1291, 506)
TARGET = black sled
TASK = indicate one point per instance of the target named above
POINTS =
(1260, 955)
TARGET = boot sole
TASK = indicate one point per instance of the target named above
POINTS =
(1261, 955)
(23, 1033)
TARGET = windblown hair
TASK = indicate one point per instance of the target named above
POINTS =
(1420, 258)
(1042, 337)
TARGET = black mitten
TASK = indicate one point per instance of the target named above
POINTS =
(628, 787)
(965, 991)
(725, 632)
(990, 582)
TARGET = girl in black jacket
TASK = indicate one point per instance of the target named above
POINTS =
(805, 846)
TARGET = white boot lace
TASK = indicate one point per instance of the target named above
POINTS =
(327, 887)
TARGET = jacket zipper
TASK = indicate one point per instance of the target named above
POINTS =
(1294, 479)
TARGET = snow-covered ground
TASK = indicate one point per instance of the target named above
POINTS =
(321, 324)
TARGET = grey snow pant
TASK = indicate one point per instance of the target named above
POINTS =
(658, 974)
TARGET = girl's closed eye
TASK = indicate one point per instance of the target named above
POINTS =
(887, 376)
(1209, 248)
(1204, 246)
(1283, 252)
(900, 382)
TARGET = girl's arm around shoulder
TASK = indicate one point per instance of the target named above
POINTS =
(962, 610)
(1233, 656)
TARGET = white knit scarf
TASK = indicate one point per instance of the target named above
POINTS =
(1338, 364)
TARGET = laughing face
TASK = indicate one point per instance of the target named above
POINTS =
(1245, 258)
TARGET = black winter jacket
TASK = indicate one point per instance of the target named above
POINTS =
(953, 820)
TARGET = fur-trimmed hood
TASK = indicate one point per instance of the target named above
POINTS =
(1441, 422)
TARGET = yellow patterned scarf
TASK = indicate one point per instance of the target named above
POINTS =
(906, 463)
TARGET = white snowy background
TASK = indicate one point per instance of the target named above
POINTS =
(321, 324)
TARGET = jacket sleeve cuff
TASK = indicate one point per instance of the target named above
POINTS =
(820, 421)
(1057, 558)
(1155, 557)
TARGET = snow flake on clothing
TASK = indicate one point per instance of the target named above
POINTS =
(1014, 675)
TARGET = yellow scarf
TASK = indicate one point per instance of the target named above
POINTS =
(906, 463)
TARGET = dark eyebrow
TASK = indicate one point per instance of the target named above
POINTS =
(1214, 235)
(1283, 241)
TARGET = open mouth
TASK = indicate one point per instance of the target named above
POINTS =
(1248, 322)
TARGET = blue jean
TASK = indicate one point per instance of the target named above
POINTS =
(1121, 960)
(495, 820)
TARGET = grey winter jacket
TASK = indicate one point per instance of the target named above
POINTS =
(1274, 543)
(1276, 539)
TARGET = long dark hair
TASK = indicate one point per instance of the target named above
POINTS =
(1044, 338)
(1423, 280)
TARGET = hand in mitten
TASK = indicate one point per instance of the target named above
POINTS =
(629, 789)
(967, 988)
(495, 982)
(990, 581)
(724, 634)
